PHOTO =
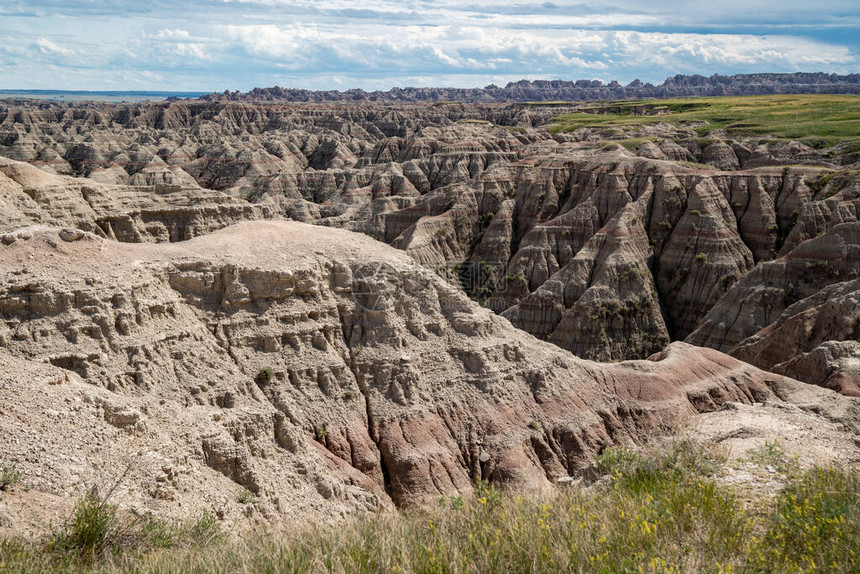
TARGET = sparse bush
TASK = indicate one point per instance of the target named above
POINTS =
(701, 258)
(246, 497)
(97, 529)
(520, 277)
(92, 530)
(617, 461)
(9, 475)
(790, 294)
(320, 432)
(265, 375)
(773, 455)
(201, 530)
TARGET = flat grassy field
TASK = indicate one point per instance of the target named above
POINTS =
(825, 120)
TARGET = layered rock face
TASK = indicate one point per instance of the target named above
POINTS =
(320, 369)
(799, 314)
(609, 251)
(126, 213)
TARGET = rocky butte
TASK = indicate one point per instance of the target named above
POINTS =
(343, 307)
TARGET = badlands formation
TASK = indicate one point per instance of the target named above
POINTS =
(350, 307)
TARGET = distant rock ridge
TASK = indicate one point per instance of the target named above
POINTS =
(580, 90)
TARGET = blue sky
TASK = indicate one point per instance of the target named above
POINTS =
(213, 45)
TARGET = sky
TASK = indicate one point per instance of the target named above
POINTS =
(216, 45)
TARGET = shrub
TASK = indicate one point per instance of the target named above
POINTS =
(701, 258)
(9, 475)
(265, 375)
(93, 527)
(772, 454)
(790, 294)
(320, 432)
(201, 530)
(96, 529)
(246, 496)
(617, 461)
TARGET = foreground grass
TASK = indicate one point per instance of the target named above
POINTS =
(660, 513)
(819, 120)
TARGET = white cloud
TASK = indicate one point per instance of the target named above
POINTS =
(472, 48)
(218, 44)
(170, 34)
(48, 47)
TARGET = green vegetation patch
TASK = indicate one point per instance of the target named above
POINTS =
(819, 120)
(662, 510)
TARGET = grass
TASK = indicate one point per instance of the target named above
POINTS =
(820, 120)
(659, 511)
(97, 536)
(816, 524)
(771, 454)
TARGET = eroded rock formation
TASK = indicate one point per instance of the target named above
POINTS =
(607, 250)
(323, 371)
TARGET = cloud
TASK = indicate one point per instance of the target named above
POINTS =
(48, 47)
(219, 44)
(451, 49)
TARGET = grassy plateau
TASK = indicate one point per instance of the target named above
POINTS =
(818, 120)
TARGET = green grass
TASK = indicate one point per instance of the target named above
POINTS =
(659, 511)
(820, 120)
(816, 525)
(771, 454)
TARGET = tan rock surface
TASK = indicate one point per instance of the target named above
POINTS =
(157, 212)
(604, 247)
(318, 368)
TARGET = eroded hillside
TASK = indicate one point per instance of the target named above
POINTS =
(319, 369)
(609, 240)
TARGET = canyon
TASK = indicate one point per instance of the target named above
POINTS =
(351, 307)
